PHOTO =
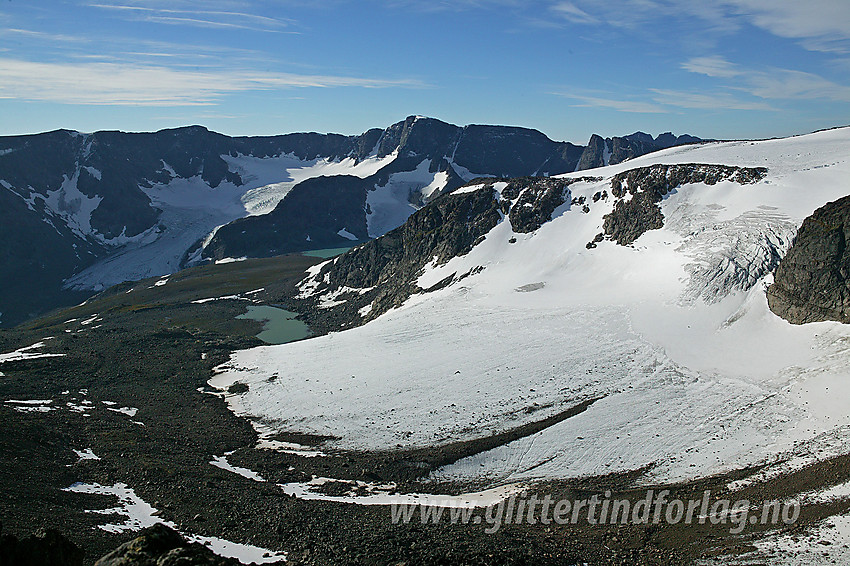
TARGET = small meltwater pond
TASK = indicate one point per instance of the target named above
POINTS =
(280, 326)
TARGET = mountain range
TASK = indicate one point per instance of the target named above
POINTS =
(672, 324)
(81, 212)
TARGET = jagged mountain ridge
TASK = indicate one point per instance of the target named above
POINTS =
(610, 151)
(90, 210)
(459, 153)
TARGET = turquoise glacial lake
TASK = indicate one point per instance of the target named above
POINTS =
(280, 325)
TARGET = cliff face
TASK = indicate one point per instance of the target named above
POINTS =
(812, 282)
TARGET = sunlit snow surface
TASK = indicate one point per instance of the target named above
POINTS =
(694, 376)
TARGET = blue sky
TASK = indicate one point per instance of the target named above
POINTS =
(719, 69)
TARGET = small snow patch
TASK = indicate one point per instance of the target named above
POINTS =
(31, 406)
(221, 462)
(140, 515)
(223, 298)
(86, 454)
(347, 235)
(230, 260)
(27, 354)
(364, 493)
(129, 411)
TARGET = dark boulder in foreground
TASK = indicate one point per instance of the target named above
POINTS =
(812, 283)
(162, 546)
(44, 548)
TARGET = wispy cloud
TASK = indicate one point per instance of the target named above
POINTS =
(112, 84)
(771, 83)
(56, 37)
(818, 25)
(821, 25)
(714, 66)
(572, 13)
(633, 106)
(661, 101)
(706, 101)
(452, 5)
(199, 18)
(799, 85)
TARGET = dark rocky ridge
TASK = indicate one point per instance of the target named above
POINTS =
(315, 209)
(812, 282)
(648, 186)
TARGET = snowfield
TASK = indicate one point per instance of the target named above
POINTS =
(694, 375)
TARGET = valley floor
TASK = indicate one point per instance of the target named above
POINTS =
(106, 407)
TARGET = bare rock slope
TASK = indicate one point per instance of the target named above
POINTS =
(812, 283)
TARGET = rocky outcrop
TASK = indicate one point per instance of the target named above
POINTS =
(645, 187)
(812, 282)
(531, 201)
(44, 548)
(160, 545)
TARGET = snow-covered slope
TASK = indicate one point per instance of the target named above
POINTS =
(693, 373)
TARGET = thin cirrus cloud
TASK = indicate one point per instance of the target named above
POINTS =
(821, 25)
(40, 35)
(772, 83)
(663, 101)
(199, 18)
(818, 25)
(620, 105)
(706, 101)
(112, 84)
(713, 66)
(572, 13)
